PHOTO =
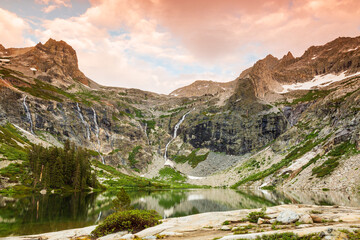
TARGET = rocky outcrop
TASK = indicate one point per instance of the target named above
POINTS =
(56, 59)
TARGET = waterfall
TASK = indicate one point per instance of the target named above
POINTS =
(84, 122)
(145, 131)
(99, 216)
(168, 162)
(28, 115)
(97, 136)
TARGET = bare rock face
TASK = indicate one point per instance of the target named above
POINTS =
(55, 58)
(2, 48)
(340, 55)
(203, 87)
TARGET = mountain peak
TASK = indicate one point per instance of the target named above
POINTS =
(288, 57)
(55, 58)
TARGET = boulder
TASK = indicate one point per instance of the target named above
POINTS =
(225, 228)
(260, 221)
(316, 219)
(287, 217)
(306, 218)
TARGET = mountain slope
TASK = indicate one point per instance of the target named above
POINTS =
(203, 87)
(258, 130)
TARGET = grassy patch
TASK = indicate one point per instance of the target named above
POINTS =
(270, 188)
(14, 171)
(12, 153)
(10, 139)
(311, 95)
(170, 174)
(150, 125)
(295, 154)
(46, 91)
(333, 161)
(138, 113)
(119, 179)
(355, 235)
(192, 158)
(132, 155)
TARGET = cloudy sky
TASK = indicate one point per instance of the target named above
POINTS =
(161, 45)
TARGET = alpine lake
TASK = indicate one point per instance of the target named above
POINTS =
(54, 212)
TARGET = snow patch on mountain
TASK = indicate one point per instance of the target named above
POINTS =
(317, 82)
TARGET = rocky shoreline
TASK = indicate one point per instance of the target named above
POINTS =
(302, 220)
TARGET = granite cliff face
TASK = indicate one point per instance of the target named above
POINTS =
(340, 55)
(250, 127)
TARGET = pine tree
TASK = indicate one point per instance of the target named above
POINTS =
(77, 178)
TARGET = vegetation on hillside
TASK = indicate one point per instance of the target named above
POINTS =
(193, 159)
(294, 154)
(56, 168)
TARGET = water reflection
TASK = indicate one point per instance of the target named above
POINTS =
(44, 213)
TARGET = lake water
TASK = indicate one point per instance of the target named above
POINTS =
(46, 213)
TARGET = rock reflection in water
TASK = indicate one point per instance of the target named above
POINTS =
(175, 203)
(45, 213)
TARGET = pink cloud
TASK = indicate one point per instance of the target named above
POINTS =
(216, 29)
(53, 4)
(12, 29)
(223, 34)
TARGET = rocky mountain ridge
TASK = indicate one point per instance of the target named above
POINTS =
(260, 136)
(203, 87)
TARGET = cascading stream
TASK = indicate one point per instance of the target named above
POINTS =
(84, 122)
(168, 162)
(97, 136)
(99, 217)
(145, 131)
(28, 115)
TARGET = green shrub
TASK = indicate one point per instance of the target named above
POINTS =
(192, 158)
(254, 216)
(131, 220)
(170, 174)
